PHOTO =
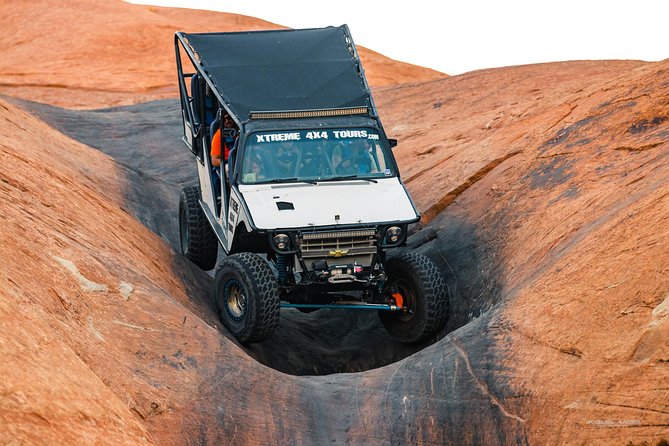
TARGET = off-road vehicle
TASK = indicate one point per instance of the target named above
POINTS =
(310, 198)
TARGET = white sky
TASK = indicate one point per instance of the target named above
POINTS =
(464, 35)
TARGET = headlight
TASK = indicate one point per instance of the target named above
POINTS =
(393, 235)
(281, 242)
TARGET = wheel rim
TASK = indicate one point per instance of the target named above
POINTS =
(183, 229)
(234, 300)
(407, 292)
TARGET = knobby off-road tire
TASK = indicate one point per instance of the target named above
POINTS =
(247, 297)
(198, 241)
(423, 290)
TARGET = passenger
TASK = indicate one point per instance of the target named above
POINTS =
(361, 157)
(229, 139)
(254, 167)
(311, 162)
(356, 160)
(286, 158)
(257, 170)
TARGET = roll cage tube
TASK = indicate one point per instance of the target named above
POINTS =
(179, 40)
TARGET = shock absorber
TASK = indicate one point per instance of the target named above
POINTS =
(282, 267)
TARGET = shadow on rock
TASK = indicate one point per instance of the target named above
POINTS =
(334, 341)
(469, 265)
(145, 142)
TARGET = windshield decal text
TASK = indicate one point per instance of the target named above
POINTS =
(271, 137)
(316, 135)
(350, 133)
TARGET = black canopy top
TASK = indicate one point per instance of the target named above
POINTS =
(279, 70)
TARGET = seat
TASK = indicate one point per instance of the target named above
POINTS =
(200, 92)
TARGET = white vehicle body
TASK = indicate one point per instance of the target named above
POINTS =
(348, 202)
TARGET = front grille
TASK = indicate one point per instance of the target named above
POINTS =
(338, 243)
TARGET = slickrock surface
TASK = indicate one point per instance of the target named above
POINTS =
(545, 202)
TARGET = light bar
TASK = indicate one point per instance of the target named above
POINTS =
(322, 235)
(310, 113)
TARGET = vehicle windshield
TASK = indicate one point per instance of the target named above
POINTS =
(314, 155)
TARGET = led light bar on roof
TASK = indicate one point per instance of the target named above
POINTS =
(310, 113)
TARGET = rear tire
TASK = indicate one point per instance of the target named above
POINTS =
(198, 241)
(423, 290)
(247, 297)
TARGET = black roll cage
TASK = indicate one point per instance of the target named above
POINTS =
(193, 121)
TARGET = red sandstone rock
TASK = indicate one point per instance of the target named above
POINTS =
(98, 53)
(546, 201)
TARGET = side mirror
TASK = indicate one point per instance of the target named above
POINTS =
(392, 142)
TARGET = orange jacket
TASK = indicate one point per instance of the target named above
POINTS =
(216, 150)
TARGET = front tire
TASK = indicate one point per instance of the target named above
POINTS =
(198, 241)
(420, 283)
(247, 297)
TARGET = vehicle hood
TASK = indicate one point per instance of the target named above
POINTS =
(298, 205)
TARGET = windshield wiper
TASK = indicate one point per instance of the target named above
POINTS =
(286, 180)
(349, 177)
